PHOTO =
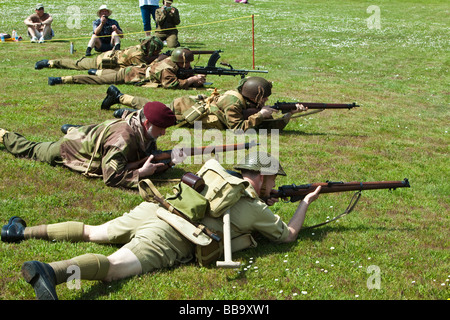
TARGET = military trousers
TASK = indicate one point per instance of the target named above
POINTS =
(107, 76)
(80, 64)
(170, 36)
(154, 242)
(139, 103)
(19, 146)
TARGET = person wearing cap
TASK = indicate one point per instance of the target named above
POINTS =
(160, 73)
(105, 150)
(150, 240)
(227, 110)
(167, 18)
(40, 25)
(106, 32)
(144, 53)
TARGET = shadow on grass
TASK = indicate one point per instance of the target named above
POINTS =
(298, 132)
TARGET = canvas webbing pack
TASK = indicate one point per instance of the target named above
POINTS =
(221, 191)
(199, 108)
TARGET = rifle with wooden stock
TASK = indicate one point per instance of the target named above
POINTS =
(286, 107)
(166, 156)
(298, 192)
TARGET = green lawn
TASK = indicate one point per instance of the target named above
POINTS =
(315, 51)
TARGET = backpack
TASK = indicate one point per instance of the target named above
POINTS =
(222, 189)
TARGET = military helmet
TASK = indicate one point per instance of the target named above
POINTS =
(151, 44)
(182, 55)
(255, 88)
(261, 162)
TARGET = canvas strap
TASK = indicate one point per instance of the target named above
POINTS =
(97, 147)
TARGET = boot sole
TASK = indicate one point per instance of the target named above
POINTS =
(32, 273)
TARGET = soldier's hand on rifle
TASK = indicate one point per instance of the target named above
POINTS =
(267, 112)
(197, 80)
(271, 201)
(310, 197)
(299, 108)
(149, 168)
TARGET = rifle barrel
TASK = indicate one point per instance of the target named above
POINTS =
(193, 151)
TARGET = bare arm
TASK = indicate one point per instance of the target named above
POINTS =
(297, 220)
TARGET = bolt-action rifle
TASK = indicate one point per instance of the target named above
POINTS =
(286, 107)
(166, 156)
(212, 69)
(298, 192)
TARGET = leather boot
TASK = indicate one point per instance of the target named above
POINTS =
(54, 80)
(112, 97)
(92, 72)
(65, 127)
(13, 231)
(42, 278)
(119, 112)
(41, 64)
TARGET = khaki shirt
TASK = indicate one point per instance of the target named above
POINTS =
(251, 214)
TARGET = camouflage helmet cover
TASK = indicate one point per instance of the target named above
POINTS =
(151, 44)
(261, 162)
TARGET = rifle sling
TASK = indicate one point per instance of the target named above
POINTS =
(353, 201)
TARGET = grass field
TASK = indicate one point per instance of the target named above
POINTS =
(396, 68)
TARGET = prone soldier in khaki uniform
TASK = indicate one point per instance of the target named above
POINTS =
(149, 241)
(106, 150)
(225, 111)
(144, 53)
(159, 73)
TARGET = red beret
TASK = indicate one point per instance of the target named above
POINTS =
(159, 114)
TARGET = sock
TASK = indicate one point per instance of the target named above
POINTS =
(37, 232)
(91, 267)
(67, 79)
